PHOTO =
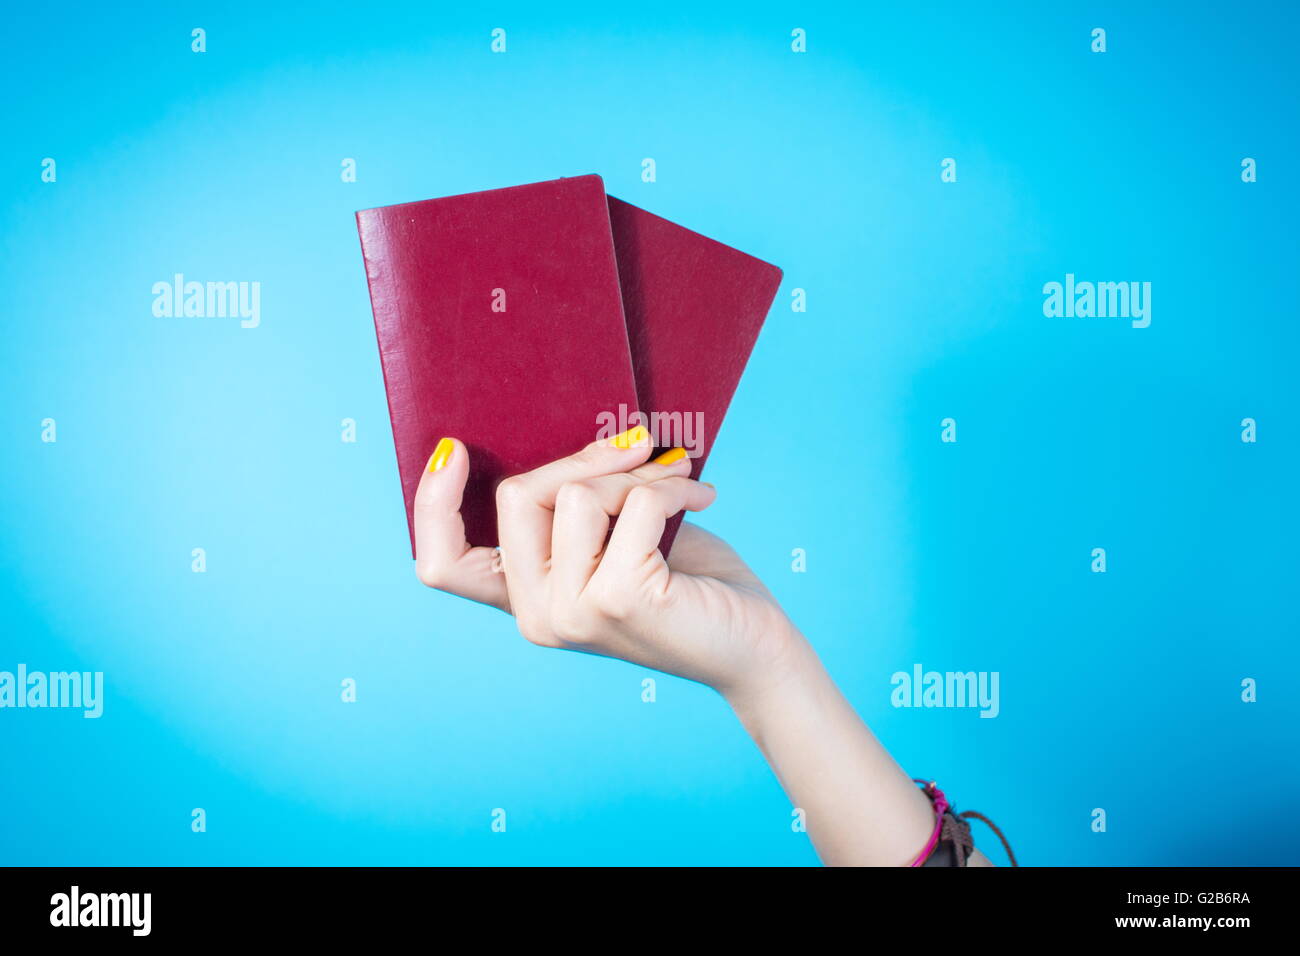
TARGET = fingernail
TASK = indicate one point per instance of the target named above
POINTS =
(442, 454)
(631, 438)
(670, 456)
(709, 484)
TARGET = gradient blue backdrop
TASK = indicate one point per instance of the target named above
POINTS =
(1119, 691)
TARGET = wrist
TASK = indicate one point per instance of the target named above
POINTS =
(791, 675)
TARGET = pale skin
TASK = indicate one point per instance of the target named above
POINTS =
(702, 615)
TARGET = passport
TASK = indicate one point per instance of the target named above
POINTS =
(500, 322)
(529, 321)
(694, 308)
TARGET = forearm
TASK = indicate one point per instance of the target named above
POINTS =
(861, 809)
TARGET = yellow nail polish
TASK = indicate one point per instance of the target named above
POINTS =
(442, 454)
(631, 437)
(670, 456)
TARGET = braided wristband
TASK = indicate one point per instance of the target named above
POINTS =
(940, 804)
(951, 833)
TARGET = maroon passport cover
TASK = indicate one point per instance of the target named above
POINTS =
(694, 308)
(522, 386)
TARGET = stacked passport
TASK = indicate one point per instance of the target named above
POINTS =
(531, 321)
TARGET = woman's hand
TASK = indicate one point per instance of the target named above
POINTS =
(702, 615)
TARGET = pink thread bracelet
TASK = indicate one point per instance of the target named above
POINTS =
(940, 804)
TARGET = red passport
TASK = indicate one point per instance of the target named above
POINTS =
(568, 355)
(499, 322)
(694, 308)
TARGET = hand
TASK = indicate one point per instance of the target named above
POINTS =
(702, 615)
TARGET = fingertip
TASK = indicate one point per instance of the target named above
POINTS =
(638, 436)
(708, 498)
(671, 456)
(444, 473)
(627, 450)
(442, 454)
(667, 465)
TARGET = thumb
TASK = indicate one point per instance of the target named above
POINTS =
(443, 556)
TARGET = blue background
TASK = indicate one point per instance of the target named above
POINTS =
(1118, 690)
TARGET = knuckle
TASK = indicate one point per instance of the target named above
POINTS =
(571, 625)
(576, 495)
(611, 603)
(642, 497)
(534, 631)
(511, 492)
(658, 599)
